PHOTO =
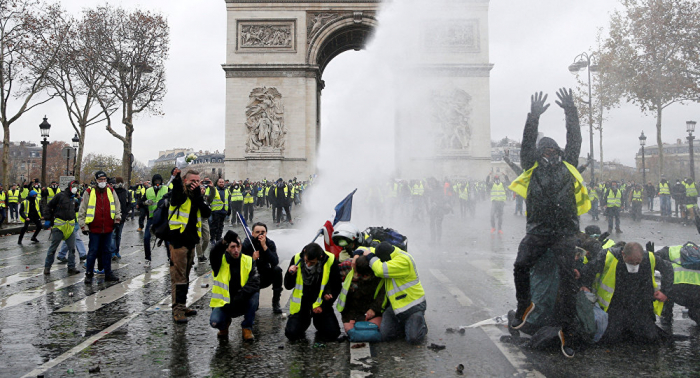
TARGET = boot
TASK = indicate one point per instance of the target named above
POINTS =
(276, 294)
(180, 302)
(190, 312)
(248, 335)
(224, 333)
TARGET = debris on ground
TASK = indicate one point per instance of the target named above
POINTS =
(436, 347)
(357, 346)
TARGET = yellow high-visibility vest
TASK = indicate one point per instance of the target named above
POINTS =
(92, 201)
(297, 293)
(583, 203)
(403, 288)
(220, 294)
(179, 221)
(664, 189)
(614, 199)
(13, 196)
(236, 195)
(52, 193)
(606, 282)
(498, 192)
(342, 298)
(25, 203)
(682, 275)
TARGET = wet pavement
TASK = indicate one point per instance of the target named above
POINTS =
(57, 326)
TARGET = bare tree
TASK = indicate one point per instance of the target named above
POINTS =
(29, 43)
(77, 80)
(651, 55)
(133, 48)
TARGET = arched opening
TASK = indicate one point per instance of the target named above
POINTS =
(352, 37)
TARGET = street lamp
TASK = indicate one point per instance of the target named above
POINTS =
(76, 144)
(44, 127)
(582, 61)
(690, 127)
(642, 142)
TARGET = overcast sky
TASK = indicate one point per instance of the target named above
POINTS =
(531, 44)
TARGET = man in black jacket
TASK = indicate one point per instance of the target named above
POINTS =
(280, 199)
(30, 212)
(183, 237)
(552, 216)
(61, 213)
(123, 195)
(678, 194)
(264, 253)
(311, 300)
(240, 299)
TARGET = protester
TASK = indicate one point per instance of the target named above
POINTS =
(362, 297)
(236, 194)
(99, 212)
(264, 253)
(555, 196)
(123, 196)
(219, 209)
(314, 278)
(186, 211)
(30, 212)
(498, 201)
(280, 199)
(236, 289)
(613, 203)
(61, 215)
(13, 203)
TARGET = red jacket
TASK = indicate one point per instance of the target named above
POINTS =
(103, 222)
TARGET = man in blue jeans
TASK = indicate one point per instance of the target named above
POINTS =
(99, 212)
(236, 289)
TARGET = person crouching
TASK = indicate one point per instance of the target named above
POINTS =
(236, 289)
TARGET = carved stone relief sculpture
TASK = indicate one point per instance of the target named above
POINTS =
(451, 119)
(265, 121)
(266, 36)
(453, 36)
(315, 21)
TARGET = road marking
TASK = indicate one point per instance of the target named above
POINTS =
(103, 297)
(195, 293)
(511, 352)
(454, 290)
(85, 344)
(78, 348)
(31, 294)
(360, 359)
(31, 273)
(503, 276)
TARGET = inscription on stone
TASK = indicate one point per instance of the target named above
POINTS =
(451, 119)
(265, 121)
(266, 36)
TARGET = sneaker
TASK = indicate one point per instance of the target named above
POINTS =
(100, 272)
(519, 321)
(62, 260)
(34, 240)
(72, 271)
(147, 263)
(500, 232)
(111, 278)
(493, 230)
(567, 350)
(119, 257)
(83, 258)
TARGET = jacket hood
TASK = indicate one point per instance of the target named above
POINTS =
(547, 142)
(157, 177)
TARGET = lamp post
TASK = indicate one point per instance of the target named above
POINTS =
(76, 145)
(585, 60)
(642, 142)
(690, 127)
(44, 127)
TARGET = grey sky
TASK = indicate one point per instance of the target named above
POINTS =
(531, 44)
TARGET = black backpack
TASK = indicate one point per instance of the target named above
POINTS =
(376, 235)
(160, 226)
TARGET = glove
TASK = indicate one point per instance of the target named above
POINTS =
(603, 237)
(650, 246)
(47, 224)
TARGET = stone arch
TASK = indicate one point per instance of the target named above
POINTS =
(348, 32)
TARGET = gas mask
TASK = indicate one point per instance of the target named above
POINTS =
(101, 185)
(632, 268)
(548, 162)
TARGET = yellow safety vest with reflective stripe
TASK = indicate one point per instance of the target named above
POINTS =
(66, 227)
(637, 195)
(179, 221)
(155, 197)
(682, 275)
(92, 201)
(261, 194)
(25, 203)
(606, 282)
(236, 195)
(498, 192)
(25, 193)
(297, 293)
(52, 193)
(614, 200)
(248, 198)
(464, 193)
(583, 203)
(267, 191)
(690, 190)
(608, 244)
(133, 196)
(220, 291)
(593, 194)
(217, 203)
(664, 189)
(401, 281)
(3, 197)
(13, 196)
(342, 298)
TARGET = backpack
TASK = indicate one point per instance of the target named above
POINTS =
(160, 226)
(376, 235)
(690, 256)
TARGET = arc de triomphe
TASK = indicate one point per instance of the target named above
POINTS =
(275, 56)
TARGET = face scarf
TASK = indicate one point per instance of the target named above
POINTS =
(312, 274)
